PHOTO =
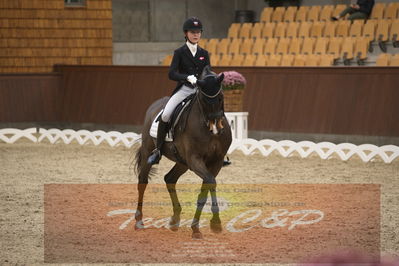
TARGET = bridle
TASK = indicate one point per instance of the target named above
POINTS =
(217, 115)
(206, 95)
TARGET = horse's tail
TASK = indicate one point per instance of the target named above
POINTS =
(138, 159)
(140, 164)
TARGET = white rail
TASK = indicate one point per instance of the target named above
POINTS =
(286, 148)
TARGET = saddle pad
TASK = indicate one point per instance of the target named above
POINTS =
(154, 128)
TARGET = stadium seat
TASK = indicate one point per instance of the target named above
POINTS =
(261, 60)
(245, 30)
(304, 29)
(249, 60)
(295, 46)
(292, 30)
(317, 29)
(329, 30)
(334, 47)
(237, 60)
(356, 28)
(342, 29)
(308, 45)
(214, 58)
(278, 14)
(326, 60)
(280, 30)
(369, 30)
(347, 50)
(274, 60)
(203, 43)
(382, 30)
(313, 14)
(287, 60)
(268, 30)
(394, 60)
(299, 60)
(256, 30)
(338, 9)
(312, 60)
(321, 45)
(270, 46)
(378, 11)
(266, 14)
(234, 46)
(391, 11)
(167, 60)
(222, 46)
(361, 48)
(225, 60)
(326, 13)
(233, 30)
(258, 46)
(212, 45)
(246, 46)
(383, 59)
(302, 14)
(289, 15)
(382, 33)
(282, 47)
(394, 35)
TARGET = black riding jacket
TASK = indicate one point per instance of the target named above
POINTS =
(366, 6)
(185, 64)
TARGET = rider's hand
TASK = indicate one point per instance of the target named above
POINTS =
(192, 79)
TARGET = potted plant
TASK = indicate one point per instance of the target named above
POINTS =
(233, 86)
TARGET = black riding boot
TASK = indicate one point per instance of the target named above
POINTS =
(156, 154)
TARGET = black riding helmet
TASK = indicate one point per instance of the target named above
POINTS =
(192, 24)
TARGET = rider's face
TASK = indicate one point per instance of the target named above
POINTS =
(193, 36)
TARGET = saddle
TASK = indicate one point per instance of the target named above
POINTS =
(177, 114)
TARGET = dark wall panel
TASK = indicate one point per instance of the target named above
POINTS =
(29, 97)
(114, 95)
(333, 100)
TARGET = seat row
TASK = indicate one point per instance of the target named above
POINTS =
(385, 59)
(272, 60)
(323, 13)
(338, 48)
(383, 29)
(309, 45)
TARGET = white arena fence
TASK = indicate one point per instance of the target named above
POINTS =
(286, 148)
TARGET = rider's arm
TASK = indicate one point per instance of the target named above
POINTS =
(174, 73)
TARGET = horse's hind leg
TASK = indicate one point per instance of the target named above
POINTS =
(143, 172)
(170, 179)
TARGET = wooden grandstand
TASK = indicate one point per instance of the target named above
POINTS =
(291, 36)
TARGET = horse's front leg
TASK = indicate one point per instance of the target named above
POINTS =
(208, 185)
(170, 180)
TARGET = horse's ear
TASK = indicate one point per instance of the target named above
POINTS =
(220, 78)
(206, 71)
(201, 83)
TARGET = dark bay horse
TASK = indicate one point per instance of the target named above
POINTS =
(199, 145)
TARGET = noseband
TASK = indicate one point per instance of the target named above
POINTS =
(212, 120)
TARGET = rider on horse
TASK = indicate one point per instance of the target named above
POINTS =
(187, 65)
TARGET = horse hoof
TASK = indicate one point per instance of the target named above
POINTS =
(174, 224)
(197, 235)
(216, 227)
(139, 225)
(174, 227)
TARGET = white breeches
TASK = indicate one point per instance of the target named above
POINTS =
(174, 101)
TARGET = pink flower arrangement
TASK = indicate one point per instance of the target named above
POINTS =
(233, 81)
